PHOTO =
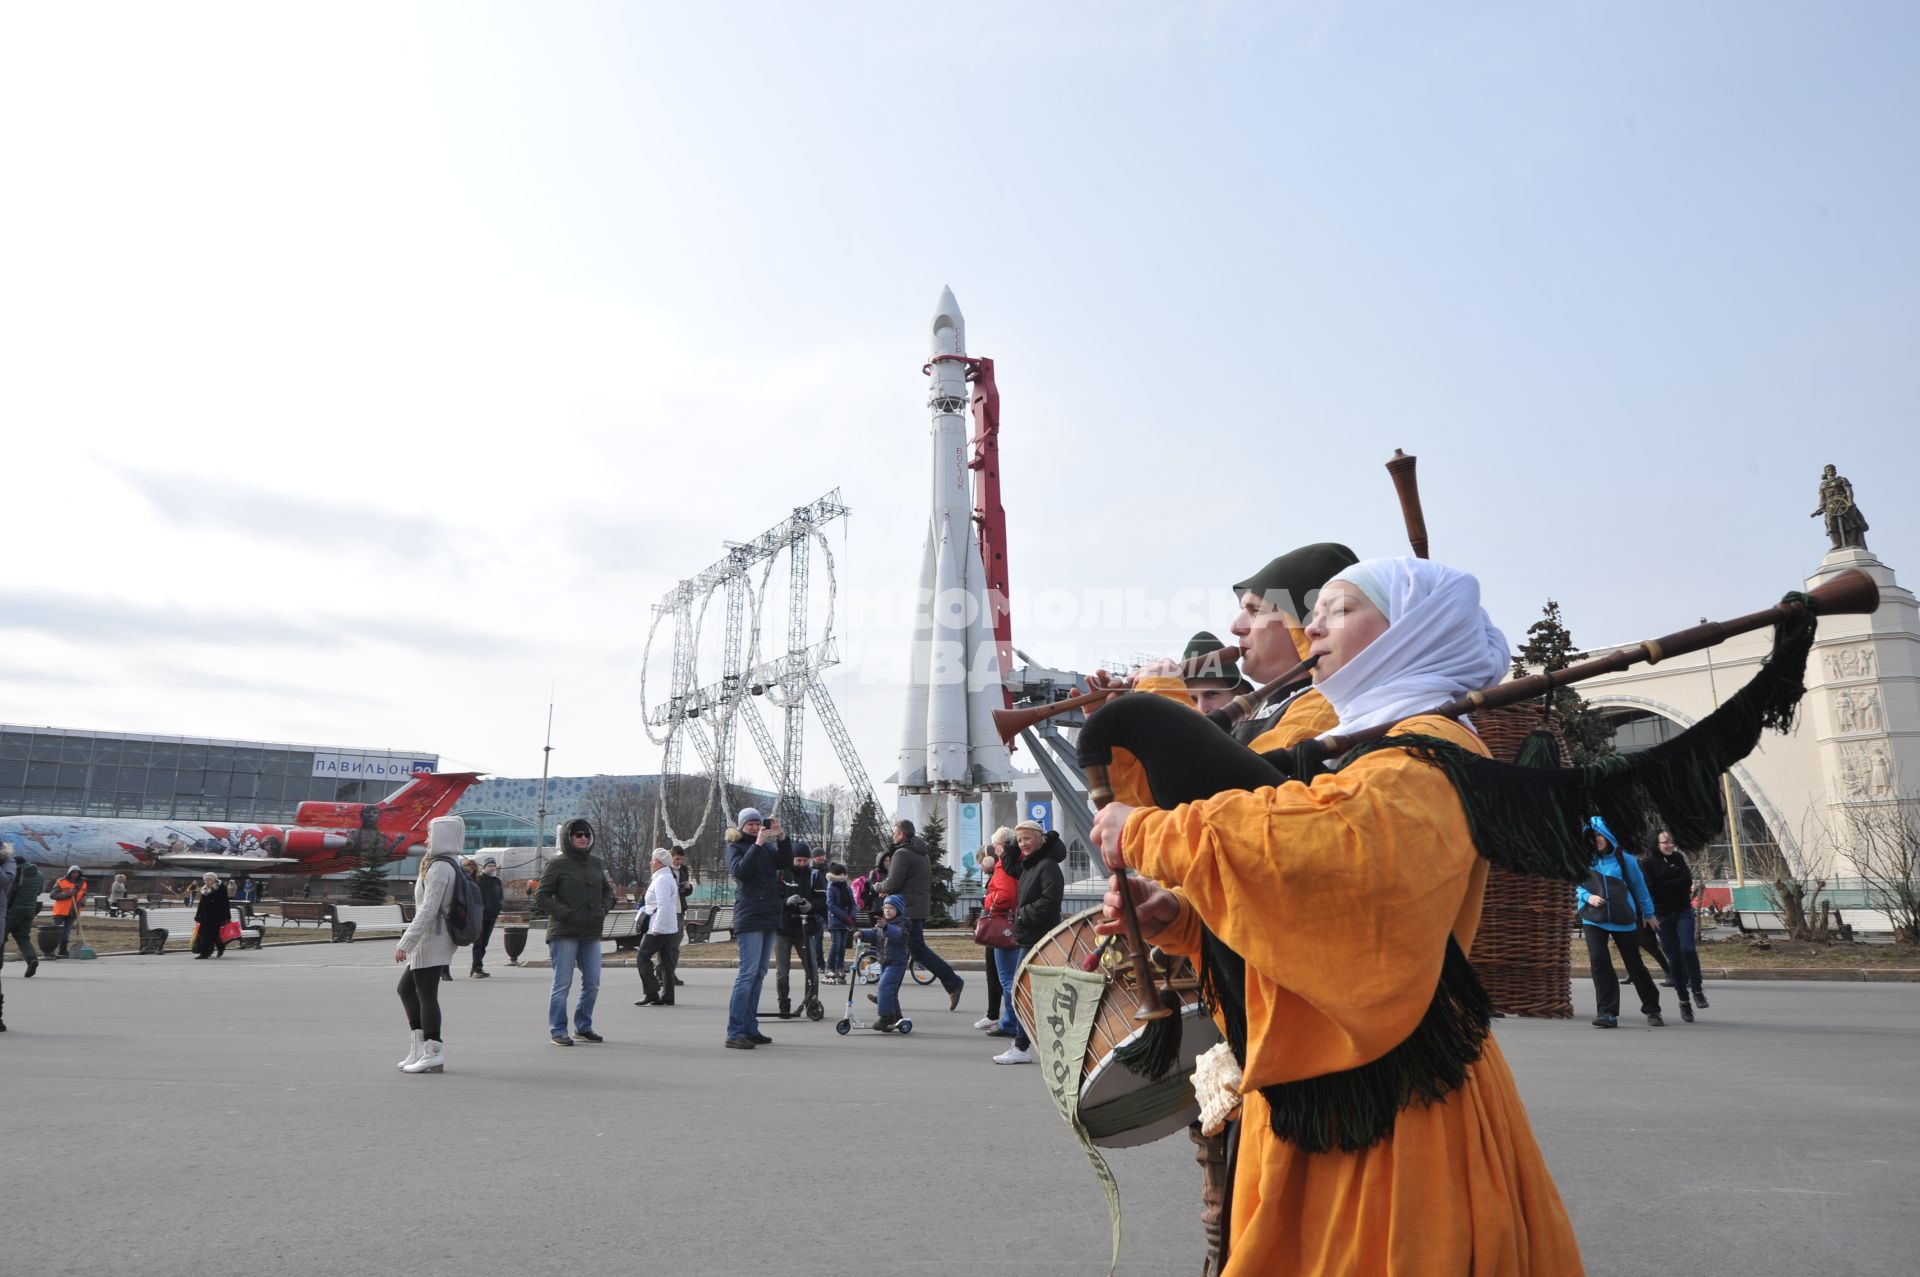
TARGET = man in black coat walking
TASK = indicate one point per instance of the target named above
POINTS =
(911, 878)
(493, 894)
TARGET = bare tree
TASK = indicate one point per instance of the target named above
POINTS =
(621, 813)
(1795, 890)
(836, 802)
(1884, 850)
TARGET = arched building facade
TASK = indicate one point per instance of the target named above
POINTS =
(1854, 746)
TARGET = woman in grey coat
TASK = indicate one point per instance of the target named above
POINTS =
(426, 946)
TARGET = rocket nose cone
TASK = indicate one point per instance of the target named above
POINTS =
(949, 326)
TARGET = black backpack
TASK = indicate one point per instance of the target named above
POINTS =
(465, 909)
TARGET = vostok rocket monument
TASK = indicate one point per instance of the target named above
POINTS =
(961, 641)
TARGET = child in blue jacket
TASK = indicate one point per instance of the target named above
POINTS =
(1613, 904)
(890, 936)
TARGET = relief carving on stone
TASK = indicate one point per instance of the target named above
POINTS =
(1849, 662)
(1857, 710)
(1866, 771)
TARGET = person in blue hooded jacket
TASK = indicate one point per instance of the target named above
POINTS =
(890, 934)
(1614, 905)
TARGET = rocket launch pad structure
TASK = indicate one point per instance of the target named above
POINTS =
(960, 637)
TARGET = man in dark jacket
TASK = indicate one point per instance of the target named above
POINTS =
(1036, 911)
(493, 894)
(19, 913)
(911, 878)
(576, 893)
(9, 876)
(755, 851)
(800, 918)
(683, 872)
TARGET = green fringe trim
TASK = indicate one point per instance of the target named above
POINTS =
(1530, 820)
(1357, 1108)
(1153, 1054)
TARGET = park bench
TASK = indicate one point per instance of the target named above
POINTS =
(296, 912)
(157, 925)
(352, 921)
(702, 921)
(1759, 922)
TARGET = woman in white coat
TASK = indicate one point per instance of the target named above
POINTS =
(427, 945)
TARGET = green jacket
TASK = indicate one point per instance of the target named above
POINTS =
(26, 892)
(576, 894)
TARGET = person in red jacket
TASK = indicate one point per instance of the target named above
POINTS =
(1002, 895)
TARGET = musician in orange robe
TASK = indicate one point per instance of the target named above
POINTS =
(1382, 1132)
(1272, 640)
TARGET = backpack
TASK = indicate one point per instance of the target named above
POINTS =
(465, 909)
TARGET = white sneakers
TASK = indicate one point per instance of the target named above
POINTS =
(433, 1059)
(1014, 1055)
(985, 1022)
(415, 1051)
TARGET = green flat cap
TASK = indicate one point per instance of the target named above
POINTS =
(1291, 580)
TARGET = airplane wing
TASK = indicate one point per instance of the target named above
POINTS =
(200, 860)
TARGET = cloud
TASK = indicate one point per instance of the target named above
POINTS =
(79, 618)
(294, 518)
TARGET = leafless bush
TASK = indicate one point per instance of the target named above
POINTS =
(1884, 850)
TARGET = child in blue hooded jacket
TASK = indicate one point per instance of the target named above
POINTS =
(1613, 904)
(890, 936)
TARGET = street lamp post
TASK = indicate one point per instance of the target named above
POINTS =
(1726, 788)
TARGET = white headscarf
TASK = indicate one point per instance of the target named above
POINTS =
(1439, 644)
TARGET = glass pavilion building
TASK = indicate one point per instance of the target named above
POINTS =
(61, 771)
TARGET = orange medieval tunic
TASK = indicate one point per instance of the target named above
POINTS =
(1340, 896)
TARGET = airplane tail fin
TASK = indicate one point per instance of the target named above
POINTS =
(429, 794)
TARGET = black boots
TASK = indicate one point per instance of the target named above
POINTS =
(786, 1009)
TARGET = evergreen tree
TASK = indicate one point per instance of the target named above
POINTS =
(1549, 646)
(943, 899)
(867, 840)
(368, 883)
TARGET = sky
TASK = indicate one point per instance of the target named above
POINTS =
(368, 371)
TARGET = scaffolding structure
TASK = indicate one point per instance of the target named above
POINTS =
(709, 715)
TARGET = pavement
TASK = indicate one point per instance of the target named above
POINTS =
(236, 1115)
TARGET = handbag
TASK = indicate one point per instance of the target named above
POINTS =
(229, 932)
(994, 929)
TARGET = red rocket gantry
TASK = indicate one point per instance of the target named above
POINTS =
(955, 673)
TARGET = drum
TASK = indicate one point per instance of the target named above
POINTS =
(1119, 1108)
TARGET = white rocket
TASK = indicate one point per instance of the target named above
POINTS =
(953, 684)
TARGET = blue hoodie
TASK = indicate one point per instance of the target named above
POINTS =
(1615, 863)
(891, 934)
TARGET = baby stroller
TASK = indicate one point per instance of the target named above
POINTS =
(847, 1024)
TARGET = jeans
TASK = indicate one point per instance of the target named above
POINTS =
(1676, 937)
(818, 940)
(1606, 985)
(569, 952)
(1006, 962)
(65, 923)
(743, 1007)
(889, 995)
(659, 985)
(994, 985)
(930, 961)
(837, 955)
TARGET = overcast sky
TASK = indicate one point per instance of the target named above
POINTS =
(369, 370)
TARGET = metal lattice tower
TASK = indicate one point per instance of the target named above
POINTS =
(709, 715)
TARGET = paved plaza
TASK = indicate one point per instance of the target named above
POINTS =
(243, 1115)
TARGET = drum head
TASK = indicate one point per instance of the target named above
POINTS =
(1121, 1109)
